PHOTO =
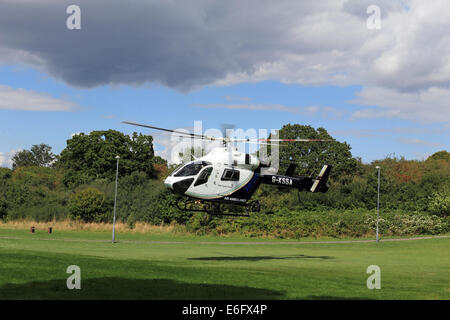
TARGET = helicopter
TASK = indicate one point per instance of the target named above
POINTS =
(226, 176)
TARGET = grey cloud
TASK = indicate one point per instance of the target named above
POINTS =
(172, 43)
(185, 45)
(358, 8)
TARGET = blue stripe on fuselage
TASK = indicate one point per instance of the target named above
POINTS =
(243, 194)
(251, 183)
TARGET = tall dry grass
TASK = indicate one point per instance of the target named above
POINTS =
(69, 225)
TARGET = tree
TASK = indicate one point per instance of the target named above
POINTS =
(88, 205)
(311, 156)
(93, 156)
(43, 155)
(40, 155)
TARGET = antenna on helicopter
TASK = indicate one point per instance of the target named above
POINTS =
(227, 130)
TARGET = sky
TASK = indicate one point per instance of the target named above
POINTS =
(375, 74)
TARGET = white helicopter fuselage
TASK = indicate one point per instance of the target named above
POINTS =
(223, 174)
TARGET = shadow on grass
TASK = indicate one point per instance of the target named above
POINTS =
(259, 258)
(119, 288)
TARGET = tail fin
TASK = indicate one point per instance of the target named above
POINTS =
(320, 184)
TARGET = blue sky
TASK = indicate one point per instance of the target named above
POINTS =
(105, 107)
(381, 91)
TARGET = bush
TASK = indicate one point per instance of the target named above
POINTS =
(440, 203)
(49, 212)
(88, 205)
(298, 224)
(5, 173)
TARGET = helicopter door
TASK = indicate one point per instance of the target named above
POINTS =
(203, 186)
(203, 176)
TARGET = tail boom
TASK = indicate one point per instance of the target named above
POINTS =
(318, 184)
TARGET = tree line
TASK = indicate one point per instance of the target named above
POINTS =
(79, 184)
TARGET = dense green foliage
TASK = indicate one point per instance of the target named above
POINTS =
(93, 156)
(34, 192)
(88, 205)
(287, 224)
(311, 156)
(415, 197)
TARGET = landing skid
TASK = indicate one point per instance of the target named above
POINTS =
(215, 208)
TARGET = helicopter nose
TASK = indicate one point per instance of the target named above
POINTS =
(168, 183)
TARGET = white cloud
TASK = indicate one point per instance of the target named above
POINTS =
(3, 160)
(429, 105)
(6, 158)
(21, 99)
(420, 142)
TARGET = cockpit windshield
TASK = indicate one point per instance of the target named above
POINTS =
(191, 169)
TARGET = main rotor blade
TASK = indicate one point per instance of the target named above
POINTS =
(295, 140)
(226, 139)
(264, 144)
(268, 141)
(186, 135)
(200, 138)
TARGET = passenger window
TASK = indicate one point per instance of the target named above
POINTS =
(203, 176)
(230, 175)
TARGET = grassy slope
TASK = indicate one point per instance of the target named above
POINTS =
(35, 269)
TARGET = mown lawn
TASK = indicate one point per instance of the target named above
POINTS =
(33, 266)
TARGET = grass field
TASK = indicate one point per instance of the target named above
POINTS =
(170, 266)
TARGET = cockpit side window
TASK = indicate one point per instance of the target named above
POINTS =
(191, 169)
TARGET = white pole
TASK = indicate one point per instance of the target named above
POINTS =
(378, 202)
(115, 200)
